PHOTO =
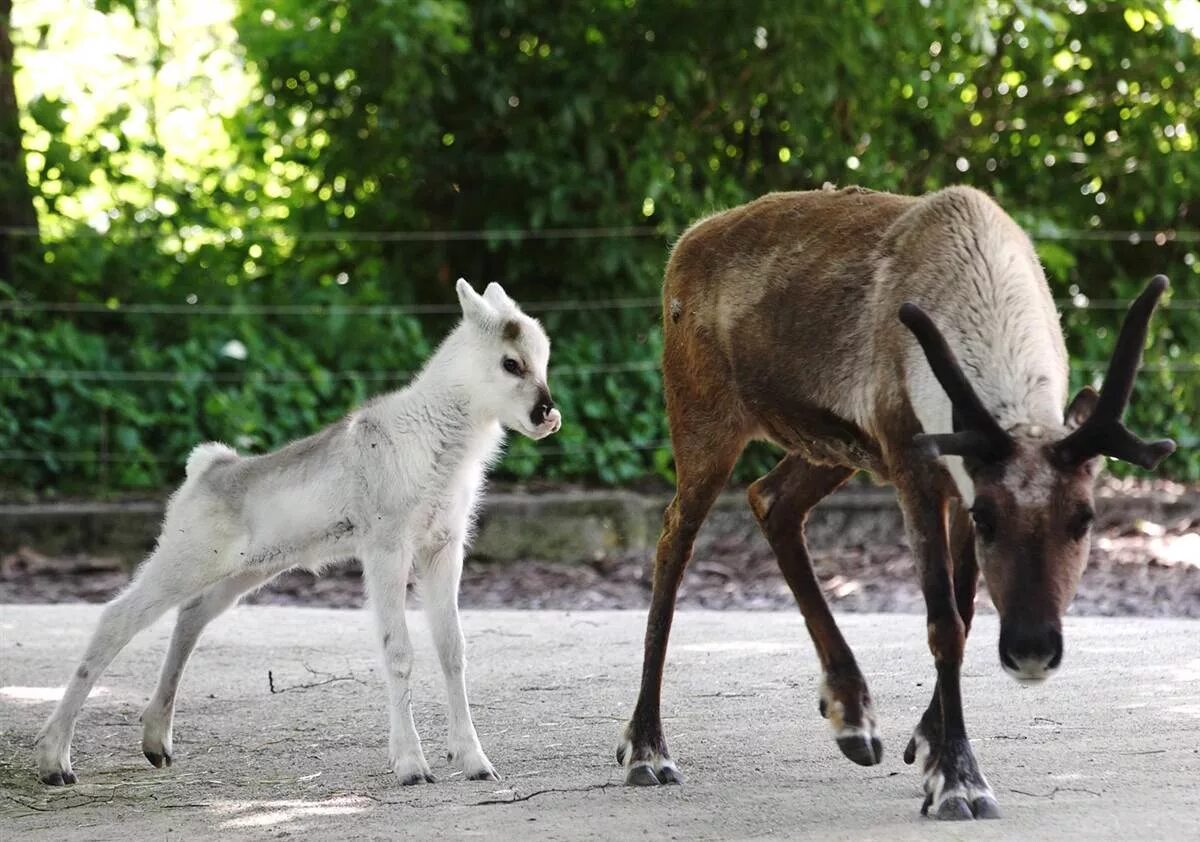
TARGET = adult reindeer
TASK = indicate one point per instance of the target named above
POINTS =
(792, 319)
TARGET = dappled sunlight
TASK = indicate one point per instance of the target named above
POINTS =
(95, 65)
(1162, 548)
(39, 695)
(1188, 672)
(246, 814)
(1186, 710)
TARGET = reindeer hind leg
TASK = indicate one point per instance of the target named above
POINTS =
(781, 501)
(703, 464)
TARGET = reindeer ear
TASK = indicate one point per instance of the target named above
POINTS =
(1081, 407)
(475, 309)
(497, 297)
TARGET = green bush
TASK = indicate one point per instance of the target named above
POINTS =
(439, 115)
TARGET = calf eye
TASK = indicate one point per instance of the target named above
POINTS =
(985, 521)
(1080, 523)
(512, 366)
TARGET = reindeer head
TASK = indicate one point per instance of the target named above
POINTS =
(1033, 506)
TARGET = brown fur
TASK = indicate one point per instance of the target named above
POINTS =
(780, 323)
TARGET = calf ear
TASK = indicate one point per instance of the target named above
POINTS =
(1081, 407)
(474, 308)
(497, 297)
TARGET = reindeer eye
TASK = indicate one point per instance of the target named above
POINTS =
(512, 366)
(985, 521)
(1080, 523)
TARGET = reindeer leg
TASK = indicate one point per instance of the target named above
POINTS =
(781, 501)
(955, 788)
(643, 748)
(927, 735)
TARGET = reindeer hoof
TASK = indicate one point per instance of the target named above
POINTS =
(641, 775)
(418, 778)
(670, 775)
(157, 759)
(484, 775)
(985, 808)
(955, 810)
(863, 750)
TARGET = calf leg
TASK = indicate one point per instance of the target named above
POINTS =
(386, 577)
(781, 502)
(162, 582)
(701, 475)
(955, 788)
(194, 615)
(440, 577)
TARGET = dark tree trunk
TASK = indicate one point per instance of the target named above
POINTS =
(18, 219)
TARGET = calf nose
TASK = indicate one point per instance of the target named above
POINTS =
(1030, 652)
(541, 410)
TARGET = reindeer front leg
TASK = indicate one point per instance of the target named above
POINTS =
(955, 788)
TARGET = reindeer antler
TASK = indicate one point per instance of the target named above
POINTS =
(1103, 433)
(981, 436)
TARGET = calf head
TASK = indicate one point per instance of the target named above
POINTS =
(507, 361)
(1033, 505)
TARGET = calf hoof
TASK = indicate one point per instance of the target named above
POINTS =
(158, 759)
(59, 778)
(411, 769)
(53, 759)
(862, 749)
(488, 774)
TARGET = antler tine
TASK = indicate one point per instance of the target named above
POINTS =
(1103, 433)
(1127, 356)
(982, 435)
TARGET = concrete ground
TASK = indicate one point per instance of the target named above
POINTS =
(1109, 749)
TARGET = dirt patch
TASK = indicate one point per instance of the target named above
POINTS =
(1131, 573)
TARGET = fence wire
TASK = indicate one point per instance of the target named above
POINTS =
(116, 308)
(236, 234)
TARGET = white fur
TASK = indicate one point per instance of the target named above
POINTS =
(999, 322)
(394, 485)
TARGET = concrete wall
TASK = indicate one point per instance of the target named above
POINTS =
(557, 526)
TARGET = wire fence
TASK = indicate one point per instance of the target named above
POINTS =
(556, 451)
(1149, 236)
(1077, 303)
(240, 235)
(323, 310)
(195, 309)
(290, 376)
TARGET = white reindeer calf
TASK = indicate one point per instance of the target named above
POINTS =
(392, 484)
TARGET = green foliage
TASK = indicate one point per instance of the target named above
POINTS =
(439, 115)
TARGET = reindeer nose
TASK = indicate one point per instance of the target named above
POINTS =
(1030, 651)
